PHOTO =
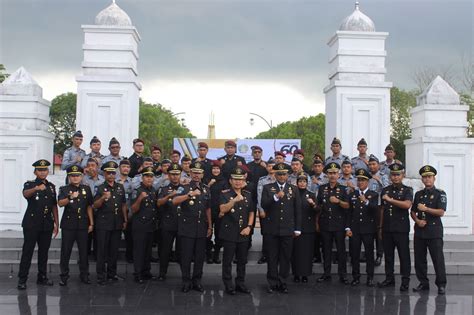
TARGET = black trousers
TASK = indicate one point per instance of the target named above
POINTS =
(107, 252)
(67, 242)
(401, 242)
(328, 237)
(317, 245)
(279, 249)
(240, 250)
(355, 243)
(167, 240)
(128, 240)
(30, 239)
(435, 246)
(302, 259)
(142, 245)
(92, 239)
(192, 248)
(217, 244)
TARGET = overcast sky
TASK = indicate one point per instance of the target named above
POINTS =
(233, 57)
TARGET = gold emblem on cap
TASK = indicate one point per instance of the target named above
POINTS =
(42, 162)
(75, 168)
(427, 168)
(333, 165)
(395, 167)
(281, 167)
(238, 171)
(198, 165)
(361, 172)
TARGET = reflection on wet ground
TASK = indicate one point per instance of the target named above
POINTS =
(127, 297)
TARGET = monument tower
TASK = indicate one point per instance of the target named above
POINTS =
(358, 97)
(108, 88)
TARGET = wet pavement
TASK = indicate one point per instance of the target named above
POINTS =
(153, 297)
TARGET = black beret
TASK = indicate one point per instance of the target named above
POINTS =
(94, 140)
(113, 141)
(362, 142)
(125, 162)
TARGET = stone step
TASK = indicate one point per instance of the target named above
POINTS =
(11, 266)
(14, 239)
(55, 253)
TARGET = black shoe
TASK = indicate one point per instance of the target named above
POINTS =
(21, 286)
(215, 258)
(296, 279)
(370, 282)
(355, 282)
(242, 289)
(344, 280)
(161, 277)
(404, 288)
(44, 281)
(271, 289)
(442, 290)
(304, 279)
(421, 287)
(230, 291)
(316, 260)
(386, 283)
(101, 282)
(234, 261)
(363, 259)
(154, 259)
(262, 260)
(209, 260)
(63, 282)
(378, 261)
(139, 280)
(115, 278)
(198, 287)
(323, 278)
(283, 288)
(85, 280)
(149, 277)
(186, 288)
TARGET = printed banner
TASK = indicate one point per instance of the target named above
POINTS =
(188, 146)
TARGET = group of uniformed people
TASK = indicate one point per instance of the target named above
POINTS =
(198, 206)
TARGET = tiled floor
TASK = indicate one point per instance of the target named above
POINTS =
(127, 297)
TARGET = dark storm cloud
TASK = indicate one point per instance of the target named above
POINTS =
(279, 41)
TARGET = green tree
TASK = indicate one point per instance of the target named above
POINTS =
(466, 99)
(63, 120)
(3, 73)
(309, 129)
(401, 104)
(159, 126)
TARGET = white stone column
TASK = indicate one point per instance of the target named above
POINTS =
(24, 139)
(358, 97)
(439, 138)
(108, 88)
